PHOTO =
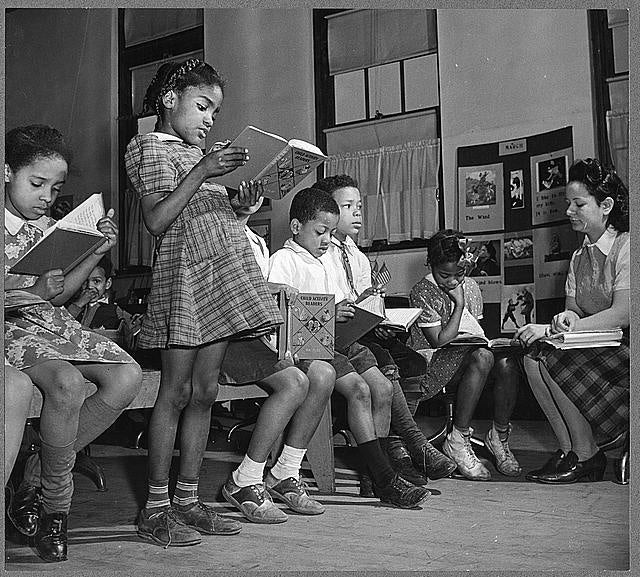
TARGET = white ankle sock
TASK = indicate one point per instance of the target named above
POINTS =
(248, 473)
(289, 462)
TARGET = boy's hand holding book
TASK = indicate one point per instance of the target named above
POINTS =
(344, 311)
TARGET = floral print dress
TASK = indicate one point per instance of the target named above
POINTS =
(43, 332)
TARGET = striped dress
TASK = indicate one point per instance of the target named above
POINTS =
(596, 380)
(206, 283)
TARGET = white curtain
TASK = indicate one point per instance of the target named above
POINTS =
(399, 188)
(618, 134)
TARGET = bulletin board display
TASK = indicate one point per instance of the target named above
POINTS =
(511, 204)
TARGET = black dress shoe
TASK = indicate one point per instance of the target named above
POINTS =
(366, 486)
(551, 466)
(571, 470)
(24, 509)
(51, 539)
(402, 464)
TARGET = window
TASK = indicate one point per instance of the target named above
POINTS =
(147, 38)
(378, 117)
(609, 33)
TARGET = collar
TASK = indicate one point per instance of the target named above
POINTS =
(348, 243)
(295, 247)
(604, 243)
(166, 137)
(14, 223)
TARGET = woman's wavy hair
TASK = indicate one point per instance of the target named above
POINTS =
(602, 182)
(178, 76)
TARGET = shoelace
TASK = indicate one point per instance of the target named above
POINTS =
(168, 518)
(467, 447)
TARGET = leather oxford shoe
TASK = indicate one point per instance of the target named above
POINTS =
(551, 466)
(51, 539)
(24, 509)
(571, 470)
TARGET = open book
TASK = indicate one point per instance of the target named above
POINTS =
(309, 327)
(585, 339)
(281, 165)
(369, 313)
(69, 241)
(469, 339)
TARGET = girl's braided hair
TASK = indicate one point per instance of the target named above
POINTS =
(602, 182)
(445, 247)
(178, 76)
(25, 144)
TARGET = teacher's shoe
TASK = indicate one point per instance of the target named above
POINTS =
(571, 470)
(24, 509)
(551, 466)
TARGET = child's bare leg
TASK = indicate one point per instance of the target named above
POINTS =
(305, 420)
(173, 396)
(118, 385)
(356, 391)
(479, 364)
(18, 390)
(289, 389)
(381, 393)
(196, 416)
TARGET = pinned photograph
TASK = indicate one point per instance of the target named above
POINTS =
(480, 188)
(552, 173)
(518, 249)
(516, 184)
(517, 307)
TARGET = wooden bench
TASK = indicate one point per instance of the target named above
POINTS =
(319, 453)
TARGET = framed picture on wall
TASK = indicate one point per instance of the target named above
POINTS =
(548, 181)
(481, 197)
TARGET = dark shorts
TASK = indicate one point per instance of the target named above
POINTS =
(251, 361)
(356, 358)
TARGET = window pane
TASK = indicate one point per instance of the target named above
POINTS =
(144, 24)
(349, 96)
(384, 89)
(621, 49)
(421, 82)
(141, 77)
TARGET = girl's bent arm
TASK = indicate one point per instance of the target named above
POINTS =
(160, 211)
(617, 315)
(440, 336)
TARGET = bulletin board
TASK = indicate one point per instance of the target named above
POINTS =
(511, 204)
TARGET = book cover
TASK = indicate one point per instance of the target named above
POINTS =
(69, 241)
(281, 164)
(369, 313)
(309, 327)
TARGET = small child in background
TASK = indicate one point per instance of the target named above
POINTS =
(403, 366)
(313, 219)
(452, 304)
(92, 309)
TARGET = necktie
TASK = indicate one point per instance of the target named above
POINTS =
(347, 266)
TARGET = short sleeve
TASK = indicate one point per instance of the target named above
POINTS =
(621, 279)
(424, 297)
(570, 283)
(148, 166)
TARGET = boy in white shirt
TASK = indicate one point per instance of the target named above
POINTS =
(402, 365)
(313, 218)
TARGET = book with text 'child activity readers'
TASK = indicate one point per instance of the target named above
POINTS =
(281, 164)
(585, 339)
(369, 313)
(68, 242)
(470, 339)
(309, 328)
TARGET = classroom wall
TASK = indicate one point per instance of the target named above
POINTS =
(505, 74)
(58, 67)
(267, 57)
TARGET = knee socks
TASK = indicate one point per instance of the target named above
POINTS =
(96, 417)
(376, 462)
(56, 477)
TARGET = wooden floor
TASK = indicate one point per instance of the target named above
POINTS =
(502, 524)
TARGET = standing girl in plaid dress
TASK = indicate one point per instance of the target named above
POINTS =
(207, 292)
(452, 304)
(585, 392)
(46, 343)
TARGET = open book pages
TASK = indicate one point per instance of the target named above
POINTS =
(400, 319)
(85, 216)
(585, 339)
(374, 304)
(497, 343)
(15, 299)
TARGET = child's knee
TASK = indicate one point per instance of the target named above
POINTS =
(322, 377)
(204, 392)
(297, 383)
(18, 388)
(358, 392)
(483, 359)
(66, 387)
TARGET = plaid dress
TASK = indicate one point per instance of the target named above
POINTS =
(206, 283)
(444, 363)
(596, 380)
(43, 332)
